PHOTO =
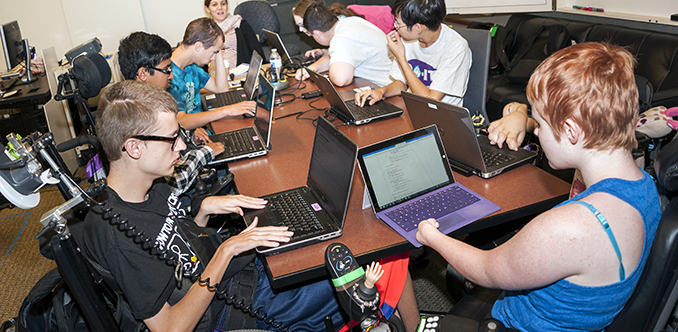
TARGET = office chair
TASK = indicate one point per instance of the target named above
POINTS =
(653, 302)
(260, 15)
(479, 41)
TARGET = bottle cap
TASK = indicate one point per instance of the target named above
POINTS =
(274, 50)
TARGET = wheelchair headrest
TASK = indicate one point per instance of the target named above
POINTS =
(92, 73)
(666, 166)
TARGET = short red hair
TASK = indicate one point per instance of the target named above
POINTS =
(594, 85)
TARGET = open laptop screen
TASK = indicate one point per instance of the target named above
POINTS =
(265, 102)
(331, 170)
(405, 170)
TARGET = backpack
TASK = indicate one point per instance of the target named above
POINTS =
(500, 41)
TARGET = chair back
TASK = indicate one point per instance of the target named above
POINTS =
(260, 15)
(479, 41)
(654, 299)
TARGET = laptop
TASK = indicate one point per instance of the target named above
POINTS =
(216, 100)
(408, 179)
(323, 202)
(252, 141)
(348, 111)
(276, 42)
(468, 152)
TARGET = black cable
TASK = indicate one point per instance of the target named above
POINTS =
(170, 258)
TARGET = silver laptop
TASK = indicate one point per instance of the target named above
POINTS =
(317, 211)
(468, 152)
(349, 111)
(252, 141)
(408, 179)
(247, 92)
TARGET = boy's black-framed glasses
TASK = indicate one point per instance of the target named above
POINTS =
(172, 140)
(165, 71)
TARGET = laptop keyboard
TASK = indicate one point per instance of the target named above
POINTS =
(295, 213)
(435, 206)
(231, 98)
(363, 112)
(495, 158)
(239, 141)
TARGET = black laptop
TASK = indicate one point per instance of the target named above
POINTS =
(349, 111)
(216, 100)
(252, 141)
(317, 211)
(467, 151)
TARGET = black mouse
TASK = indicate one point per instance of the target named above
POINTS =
(250, 114)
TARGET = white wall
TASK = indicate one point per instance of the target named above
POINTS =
(65, 24)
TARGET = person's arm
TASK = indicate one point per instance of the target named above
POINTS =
(547, 249)
(316, 53)
(218, 83)
(512, 127)
(322, 65)
(393, 89)
(397, 48)
(185, 314)
(192, 121)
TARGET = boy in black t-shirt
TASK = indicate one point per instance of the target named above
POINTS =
(139, 133)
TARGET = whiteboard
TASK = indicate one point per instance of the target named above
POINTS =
(655, 11)
(497, 6)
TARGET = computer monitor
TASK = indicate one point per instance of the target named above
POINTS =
(12, 44)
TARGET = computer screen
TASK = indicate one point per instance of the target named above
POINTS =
(12, 44)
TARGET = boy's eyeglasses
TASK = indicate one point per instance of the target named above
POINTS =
(172, 140)
(165, 71)
(396, 26)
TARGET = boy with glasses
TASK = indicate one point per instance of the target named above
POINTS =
(431, 59)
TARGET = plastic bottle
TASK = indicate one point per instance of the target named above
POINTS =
(276, 66)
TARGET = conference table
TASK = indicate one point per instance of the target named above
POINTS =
(519, 192)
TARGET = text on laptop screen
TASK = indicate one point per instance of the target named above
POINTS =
(405, 170)
(331, 157)
(265, 102)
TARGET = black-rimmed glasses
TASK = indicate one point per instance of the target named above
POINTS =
(172, 140)
(165, 71)
(396, 26)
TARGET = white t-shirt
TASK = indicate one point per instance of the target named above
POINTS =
(443, 66)
(362, 45)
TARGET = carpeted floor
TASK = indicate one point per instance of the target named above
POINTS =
(21, 264)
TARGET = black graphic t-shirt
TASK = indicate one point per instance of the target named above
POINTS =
(146, 280)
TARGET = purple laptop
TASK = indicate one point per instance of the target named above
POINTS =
(408, 179)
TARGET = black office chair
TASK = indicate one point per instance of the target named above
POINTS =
(260, 15)
(653, 302)
(479, 41)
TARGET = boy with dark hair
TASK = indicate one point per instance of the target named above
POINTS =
(146, 58)
(202, 43)
(356, 47)
(431, 59)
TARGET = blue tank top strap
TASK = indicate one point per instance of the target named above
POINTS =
(606, 227)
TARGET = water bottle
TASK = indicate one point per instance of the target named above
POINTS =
(276, 67)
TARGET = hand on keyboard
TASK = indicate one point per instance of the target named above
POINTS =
(427, 230)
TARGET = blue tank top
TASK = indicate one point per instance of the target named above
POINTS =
(565, 306)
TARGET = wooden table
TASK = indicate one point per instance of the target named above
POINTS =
(519, 192)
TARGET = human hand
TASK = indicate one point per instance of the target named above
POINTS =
(315, 54)
(301, 75)
(427, 229)
(372, 274)
(395, 44)
(253, 236)
(201, 136)
(217, 147)
(243, 107)
(372, 95)
(230, 204)
(511, 128)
